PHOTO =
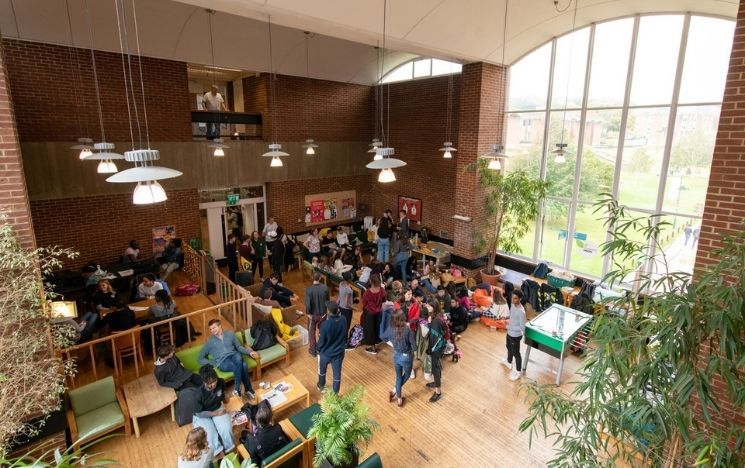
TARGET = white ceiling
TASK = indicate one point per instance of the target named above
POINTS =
(466, 30)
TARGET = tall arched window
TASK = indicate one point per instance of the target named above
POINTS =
(421, 68)
(637, 101)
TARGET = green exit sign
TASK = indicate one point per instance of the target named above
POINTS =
(233, 198)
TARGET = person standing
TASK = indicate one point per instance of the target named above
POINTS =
(316, 296)
(346, 299)
(270, 232)
(232, 255)
(212, 101)
(436, 345)
(385, 228)
(404, 225)
(515, 331)
(404, 347)
(372, 304)
(331, 344)
(259, 253)
(224, 351)
(277, 253)
(402, 257)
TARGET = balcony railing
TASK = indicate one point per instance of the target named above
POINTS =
(233, 125)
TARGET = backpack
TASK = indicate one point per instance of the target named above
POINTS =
(582, 303)
(355, 336)
(184, 412)
(264, 333)
(244, 264)
(187, 289)
(436, 341)
(541, 270)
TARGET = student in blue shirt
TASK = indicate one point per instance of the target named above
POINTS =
(224, 351)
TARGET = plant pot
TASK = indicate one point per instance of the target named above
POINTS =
(490, 278)
(355, 461)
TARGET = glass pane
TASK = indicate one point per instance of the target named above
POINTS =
(706, 59)
(599, 153)
(422, 68)
(679, 240)
(526, 243)
(569, 70)
(589, 235)
(525, 142)
(610, 63)
(404, 72)
(561, 174)
(690, 159)
(642, 156)
(443, 67)
(656, 59)
(554, 231)
(529, 80)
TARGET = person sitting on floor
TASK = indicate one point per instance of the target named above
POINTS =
(169, 372)
(269, 437)
(443, 297)
(197, 452)
(482, 296)
(210, 413)
(279, 293)
(148, 287)
(458, 316)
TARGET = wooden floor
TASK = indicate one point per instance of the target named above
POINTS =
(473, 425)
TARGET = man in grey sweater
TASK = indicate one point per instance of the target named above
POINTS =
(316, 297)
(515, 331)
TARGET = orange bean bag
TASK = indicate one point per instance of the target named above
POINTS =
(482, 298)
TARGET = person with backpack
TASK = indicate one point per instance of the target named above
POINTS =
(316, 296)
(515, 332)
(385, 229)
(404, 346)
(331, 344)
(437, 341)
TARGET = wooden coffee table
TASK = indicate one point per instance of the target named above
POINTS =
(295, 395)
(145, 396)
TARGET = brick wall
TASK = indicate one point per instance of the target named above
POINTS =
(481, 110)
(101, 227)
(13, 195)
(418, 118)
(308, 108)
(725, 198)
(286, 199)
(55, 102)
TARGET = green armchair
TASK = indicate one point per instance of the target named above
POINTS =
(270, 355)
(373, 461)
(189, 358)
(295, 452)
(96, 409)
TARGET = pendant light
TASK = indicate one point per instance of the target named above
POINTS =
(275, 149)
(219, 147)
(104, 153)
(84, 144)
(376, 143)
(145, 174)
(447, 147)
(310, 146)
(560, 152)
(496, 154)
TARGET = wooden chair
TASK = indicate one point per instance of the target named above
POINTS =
(293, 454)
(96, 409)
(128, 343)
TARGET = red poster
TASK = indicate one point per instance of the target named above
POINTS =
(412, 207)
(317, 208)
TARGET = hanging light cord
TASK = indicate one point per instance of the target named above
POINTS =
(142, 82)
(212, 53)
(569, 76)
(124, 75)
(76, 71)
(385, 130)
(129, 71)
(272, 92)
(95, 72)
(504, 70)
(307, 76)
(377, 89)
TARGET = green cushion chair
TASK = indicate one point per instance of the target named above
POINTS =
(303, 420)
(96, 409)
(189, 358)
(293, 454)
(373, 461)
(270, 355)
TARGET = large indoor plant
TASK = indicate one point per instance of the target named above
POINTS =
(512, 203)
(340, 427)
(663, 383)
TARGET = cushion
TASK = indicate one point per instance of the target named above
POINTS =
(373, 461)
(303, 420)
(282, 451)
(99, 420)
(92, 396)
(266, 309)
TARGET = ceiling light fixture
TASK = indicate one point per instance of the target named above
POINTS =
(309, 146)
(217, 142)
(274, 148)
(447, 150)
(497, 152)
(495, 156)
(560, 151)
(447, 147)
(105, 157)
(275, 152)
(219, 147)
(84, 144)
(386, 163)
(309, 143)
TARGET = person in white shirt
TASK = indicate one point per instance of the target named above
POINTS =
(197, 452)
(270, 232)
(132, 252)
(342, 239)
(148, 287)
(213, 101)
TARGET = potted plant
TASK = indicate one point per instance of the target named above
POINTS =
(512, 203)
(342, 424)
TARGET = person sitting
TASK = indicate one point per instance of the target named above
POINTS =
(458, 316)
(148, 287)
(224, 351)
(265, 298)
(105, 296)
(500, 310)
(328, 244)
(443, 297)
(197, 452)
(132, 252)
(416, 287)
(342, 240)
(172, 256)
(164, 309)
(169, 372)
(121, 316)
(354, 258)
(363, 277)
(396, 290)
(279, 293)
(482, 296)
(269, 437)
(211, 415)
(79, 332)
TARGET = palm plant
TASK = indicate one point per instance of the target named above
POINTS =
(340, 426)
(663, 380)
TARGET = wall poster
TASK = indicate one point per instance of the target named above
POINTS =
(339, 207)
(161, 236)
(412, 207)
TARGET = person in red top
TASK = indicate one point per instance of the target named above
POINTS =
(415, 310)
(372, 304)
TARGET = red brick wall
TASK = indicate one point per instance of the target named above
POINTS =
(49, 94)
(286, 199)
(308, 108)
(725, 199)
(100, 228)
(482, 103)
(418, 118)
(13, 195)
